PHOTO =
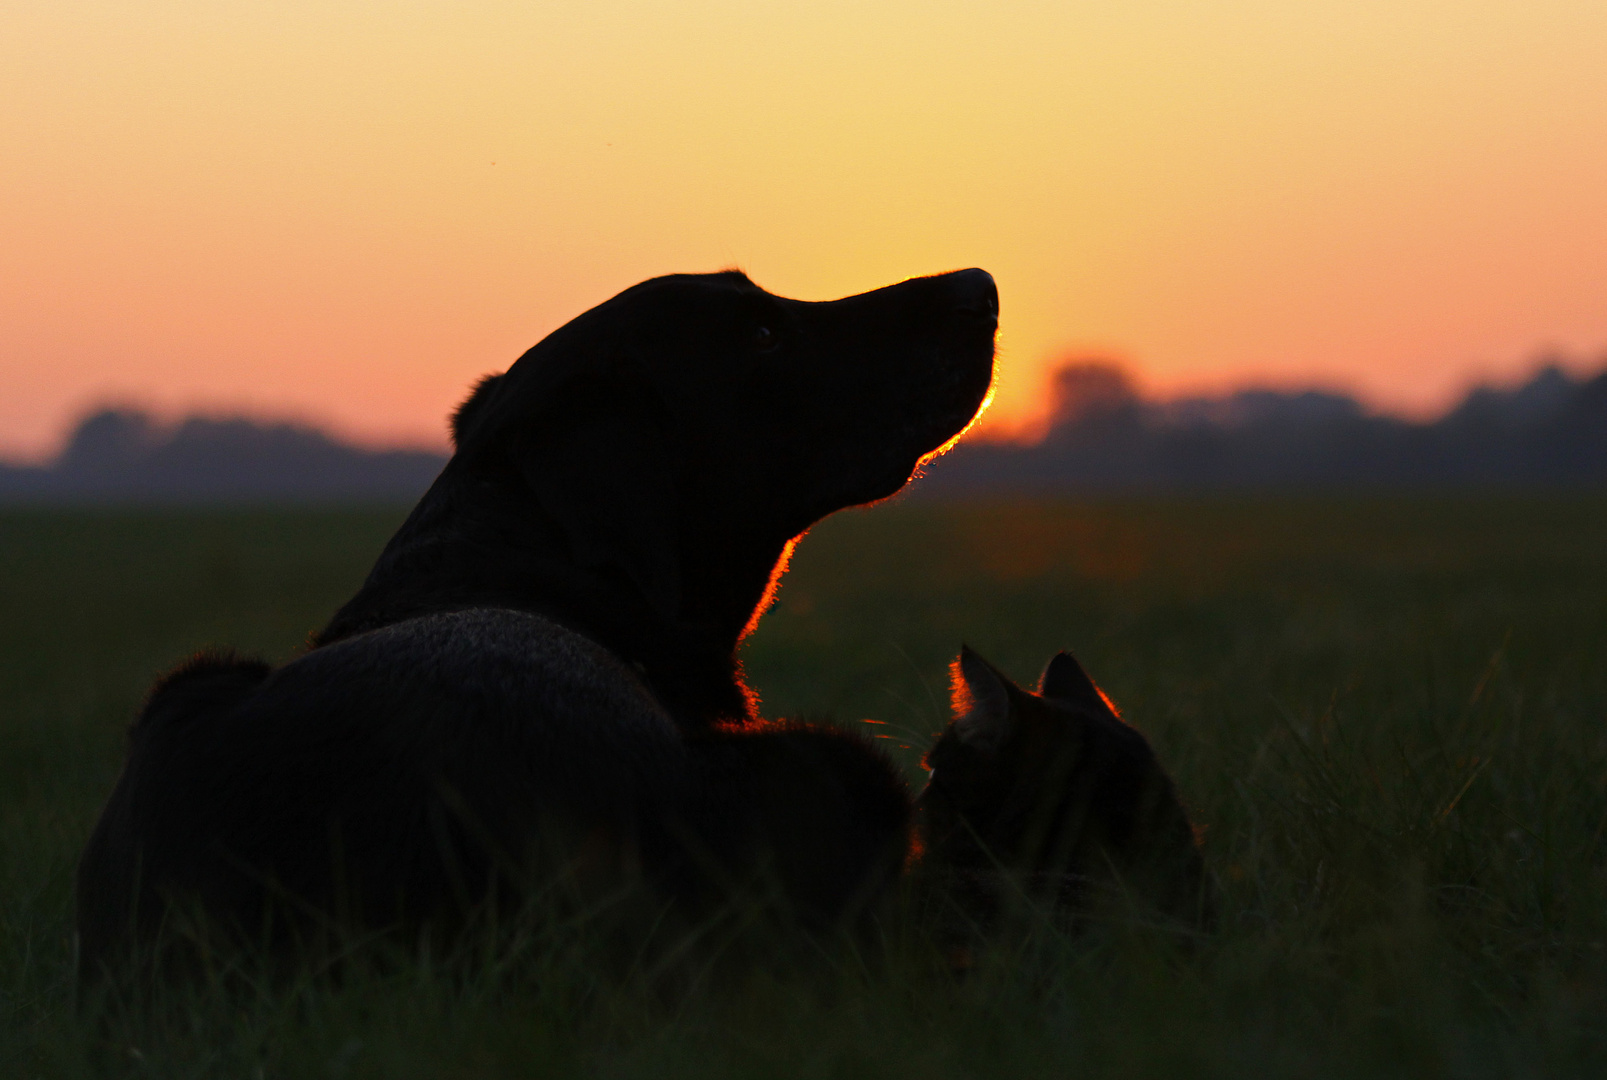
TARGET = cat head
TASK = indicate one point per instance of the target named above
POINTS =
(1054, 789)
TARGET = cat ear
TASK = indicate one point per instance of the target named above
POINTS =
(1065, 681)
(981, 702)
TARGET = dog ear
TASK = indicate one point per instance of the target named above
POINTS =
(1065, 681)
(534, 385)
(474, 408)
(981, 702)
(600, 460)
(595, 449)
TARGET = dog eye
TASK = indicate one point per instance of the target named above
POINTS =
(765, 341)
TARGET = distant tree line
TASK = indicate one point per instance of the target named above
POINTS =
(122, 455)
(1103, 436)
(1551, 431)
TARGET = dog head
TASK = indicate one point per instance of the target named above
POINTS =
(1054, 789)
(687, 429)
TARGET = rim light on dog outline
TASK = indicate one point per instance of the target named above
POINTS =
(769, 597)
(987, 399)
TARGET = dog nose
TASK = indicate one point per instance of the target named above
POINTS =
(975, 291)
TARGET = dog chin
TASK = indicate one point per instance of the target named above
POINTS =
(888, 484)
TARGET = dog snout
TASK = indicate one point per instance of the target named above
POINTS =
(975, 292)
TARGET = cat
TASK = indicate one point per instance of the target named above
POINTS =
(1048, 798)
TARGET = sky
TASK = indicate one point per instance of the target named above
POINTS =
(347, 211)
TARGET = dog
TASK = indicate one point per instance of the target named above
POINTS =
(538, 680)
(1049, 798)
(640, 475)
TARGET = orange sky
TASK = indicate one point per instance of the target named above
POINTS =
(348, 211)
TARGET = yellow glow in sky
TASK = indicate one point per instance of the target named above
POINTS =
(348, 211)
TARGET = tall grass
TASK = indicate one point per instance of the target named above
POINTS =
(1389, 716)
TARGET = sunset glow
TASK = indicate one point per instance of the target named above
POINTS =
(347, 212)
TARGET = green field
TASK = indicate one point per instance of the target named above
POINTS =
(1389, 716)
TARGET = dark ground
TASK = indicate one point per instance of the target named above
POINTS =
(1390, 714)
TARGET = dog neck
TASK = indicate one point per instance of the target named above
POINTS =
(481, 542)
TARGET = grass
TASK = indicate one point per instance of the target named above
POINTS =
(1389, 714)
